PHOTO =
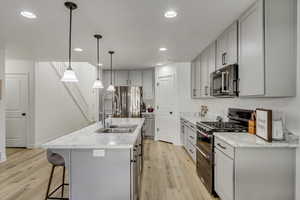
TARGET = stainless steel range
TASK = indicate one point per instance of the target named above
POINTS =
(238, 122)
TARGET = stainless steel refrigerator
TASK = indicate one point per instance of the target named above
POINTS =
(127, 101)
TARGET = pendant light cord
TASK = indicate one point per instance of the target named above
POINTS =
(70, 40)
(98, 63)
(111, 68)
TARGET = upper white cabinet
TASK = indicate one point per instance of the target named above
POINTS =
(121, 77)
(201, 68)
(148, 80)
(141, 78)
(135, 78)
(196, 78)
(227, 44)
(267, 49)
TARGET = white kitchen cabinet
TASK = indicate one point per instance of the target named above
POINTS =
(267, 49)
(121, 77)
(207, 67)
(227, 44)
(142, 78)
(135, 78)
(148, 84)
(245, 172)
(196, 78)
(224, 175)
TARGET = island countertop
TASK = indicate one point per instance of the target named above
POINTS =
(86, 138)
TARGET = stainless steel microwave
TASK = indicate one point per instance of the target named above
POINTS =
(224, 82)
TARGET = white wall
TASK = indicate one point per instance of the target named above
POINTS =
(55, 112)
(25, 67)
(2, 104)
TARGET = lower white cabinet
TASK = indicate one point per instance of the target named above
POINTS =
(224, 175)
(254, 172)
(189, 138)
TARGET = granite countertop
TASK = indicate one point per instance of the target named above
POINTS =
(246, 140)
(86, 138)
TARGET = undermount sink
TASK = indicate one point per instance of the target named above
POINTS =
(118, 129)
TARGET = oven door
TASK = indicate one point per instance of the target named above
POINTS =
(205, 160)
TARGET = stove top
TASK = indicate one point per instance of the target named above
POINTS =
(221, 127)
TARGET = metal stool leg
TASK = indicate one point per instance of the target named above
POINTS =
(63, 182)
(49, 183)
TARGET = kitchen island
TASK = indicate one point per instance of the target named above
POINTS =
(103, 165)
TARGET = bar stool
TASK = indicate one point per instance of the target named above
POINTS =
(57, 161)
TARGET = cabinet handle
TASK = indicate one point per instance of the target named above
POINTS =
(133, 161)
(221, 146)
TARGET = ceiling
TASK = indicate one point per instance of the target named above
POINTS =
(135, 29)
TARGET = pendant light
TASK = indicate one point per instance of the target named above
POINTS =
(69, 74)
(111, 87)
(98, 83)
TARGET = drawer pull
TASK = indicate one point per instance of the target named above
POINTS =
(221, 146)
(191, 151)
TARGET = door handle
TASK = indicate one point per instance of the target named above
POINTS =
(23, 114)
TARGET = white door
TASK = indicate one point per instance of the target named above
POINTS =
(16, 109)
(166, 124)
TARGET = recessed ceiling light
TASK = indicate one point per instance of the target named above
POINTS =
(170, 14)
(78, 49)
(28, 14)
(159, 64)
(100, 64)
(163, 49)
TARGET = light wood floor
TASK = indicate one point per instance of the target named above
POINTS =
(169, 174)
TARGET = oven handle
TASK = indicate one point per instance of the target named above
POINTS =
(202, 153)
(205, 135)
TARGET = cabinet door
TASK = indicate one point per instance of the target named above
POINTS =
(186, 137)
(196, 78)
(232, 45)
(212, 63)
(135, 78)
(227, 44)
(204, 73)
(148, 87)
(251, 51)
(149, 127)
(193, 79)
(221, 50)
(224, 176)
(121, 77)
